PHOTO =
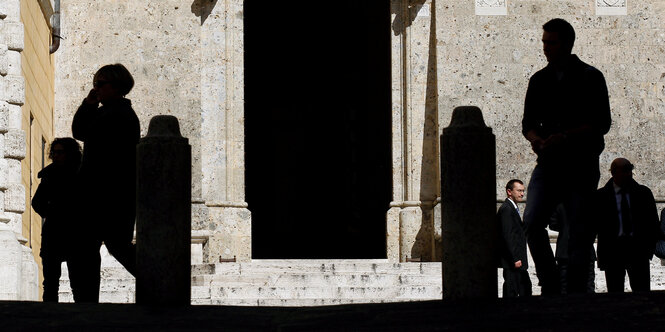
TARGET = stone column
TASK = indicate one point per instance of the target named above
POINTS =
(163, 215)
(468, 186)
(228, 223)
(410, 220)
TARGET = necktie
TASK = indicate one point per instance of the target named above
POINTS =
(626, 220)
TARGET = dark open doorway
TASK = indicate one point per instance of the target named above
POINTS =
(318, 127)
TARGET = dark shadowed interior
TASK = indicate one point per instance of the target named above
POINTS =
(318, 127)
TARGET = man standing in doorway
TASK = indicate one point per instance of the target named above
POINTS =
(566, 115)
(514, 261)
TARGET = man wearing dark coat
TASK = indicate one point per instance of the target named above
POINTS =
(566, 115)
(514, 260)
(628, 227)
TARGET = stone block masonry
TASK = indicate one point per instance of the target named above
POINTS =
(18, 270)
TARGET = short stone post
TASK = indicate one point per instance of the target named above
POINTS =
(468, 195)
(163, 213)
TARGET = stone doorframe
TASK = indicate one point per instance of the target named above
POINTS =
(220, 209)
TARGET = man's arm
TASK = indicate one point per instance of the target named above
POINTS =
(507, 231)
(84, 115)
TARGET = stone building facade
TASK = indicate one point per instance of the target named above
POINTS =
(197, 60)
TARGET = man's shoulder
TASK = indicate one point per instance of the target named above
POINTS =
(586, 68)
(506, 207)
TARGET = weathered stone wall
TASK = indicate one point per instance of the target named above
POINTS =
(487, 61)
(186, 58)
(18, 270)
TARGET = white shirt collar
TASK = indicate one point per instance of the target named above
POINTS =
(514, 205)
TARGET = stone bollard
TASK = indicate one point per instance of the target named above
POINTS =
(163, 215)
(468, 195)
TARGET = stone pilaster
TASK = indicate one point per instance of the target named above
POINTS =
(222, 151)
(410, 229)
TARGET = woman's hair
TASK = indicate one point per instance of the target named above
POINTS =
(71, 147)
(118, 76)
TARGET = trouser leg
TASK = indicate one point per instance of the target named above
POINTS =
(124, 251)
(639, 276)
(51, 269)
(510, 282)
(525, 283)
(539, 208)
(84, 273)
(615, 279)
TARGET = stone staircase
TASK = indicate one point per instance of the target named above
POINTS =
(286, 282)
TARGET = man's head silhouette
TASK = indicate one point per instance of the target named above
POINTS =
(558, 39)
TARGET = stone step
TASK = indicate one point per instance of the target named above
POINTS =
(288, 282)
(290, 302)
(315, 292)
(314, 279)
(325, 267)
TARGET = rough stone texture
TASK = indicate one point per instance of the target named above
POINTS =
(4, 118)
(15, 198)
(470, 233)
(14, 144)
(487, 61)
(3, 59)
(163, 217)
(286, 282)
(13, 61)
(14, 89)
(186, 59)
(3, 175)
(415, 129)
(18, 270)
(12, 10)
(14, 34)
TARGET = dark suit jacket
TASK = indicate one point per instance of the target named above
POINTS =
(513, 244)
(611, 253)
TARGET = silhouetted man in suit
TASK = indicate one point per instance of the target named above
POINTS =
(627, 227)
(514, 261)
(566, 114)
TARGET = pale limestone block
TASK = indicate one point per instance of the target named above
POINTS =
(392, 234)
(15, 198)
(12, 10)
(14, 63)
(410, 223)
(3, 9)
(14, 88)
(14, 118)
(15, 145)
(232, 234)
(3, 59)
(16, 224)
(4, 174)
(10, 263)
(4, 119)
(438, 243)
(29, 290)
(14, 35)
(2, 194)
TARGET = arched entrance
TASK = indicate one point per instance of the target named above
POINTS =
(318, 127)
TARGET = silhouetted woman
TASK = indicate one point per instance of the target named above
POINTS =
(55, 200)
(108, 171)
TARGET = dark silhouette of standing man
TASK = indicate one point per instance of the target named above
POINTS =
(566, 114)
(626, 221)
(108, 170)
